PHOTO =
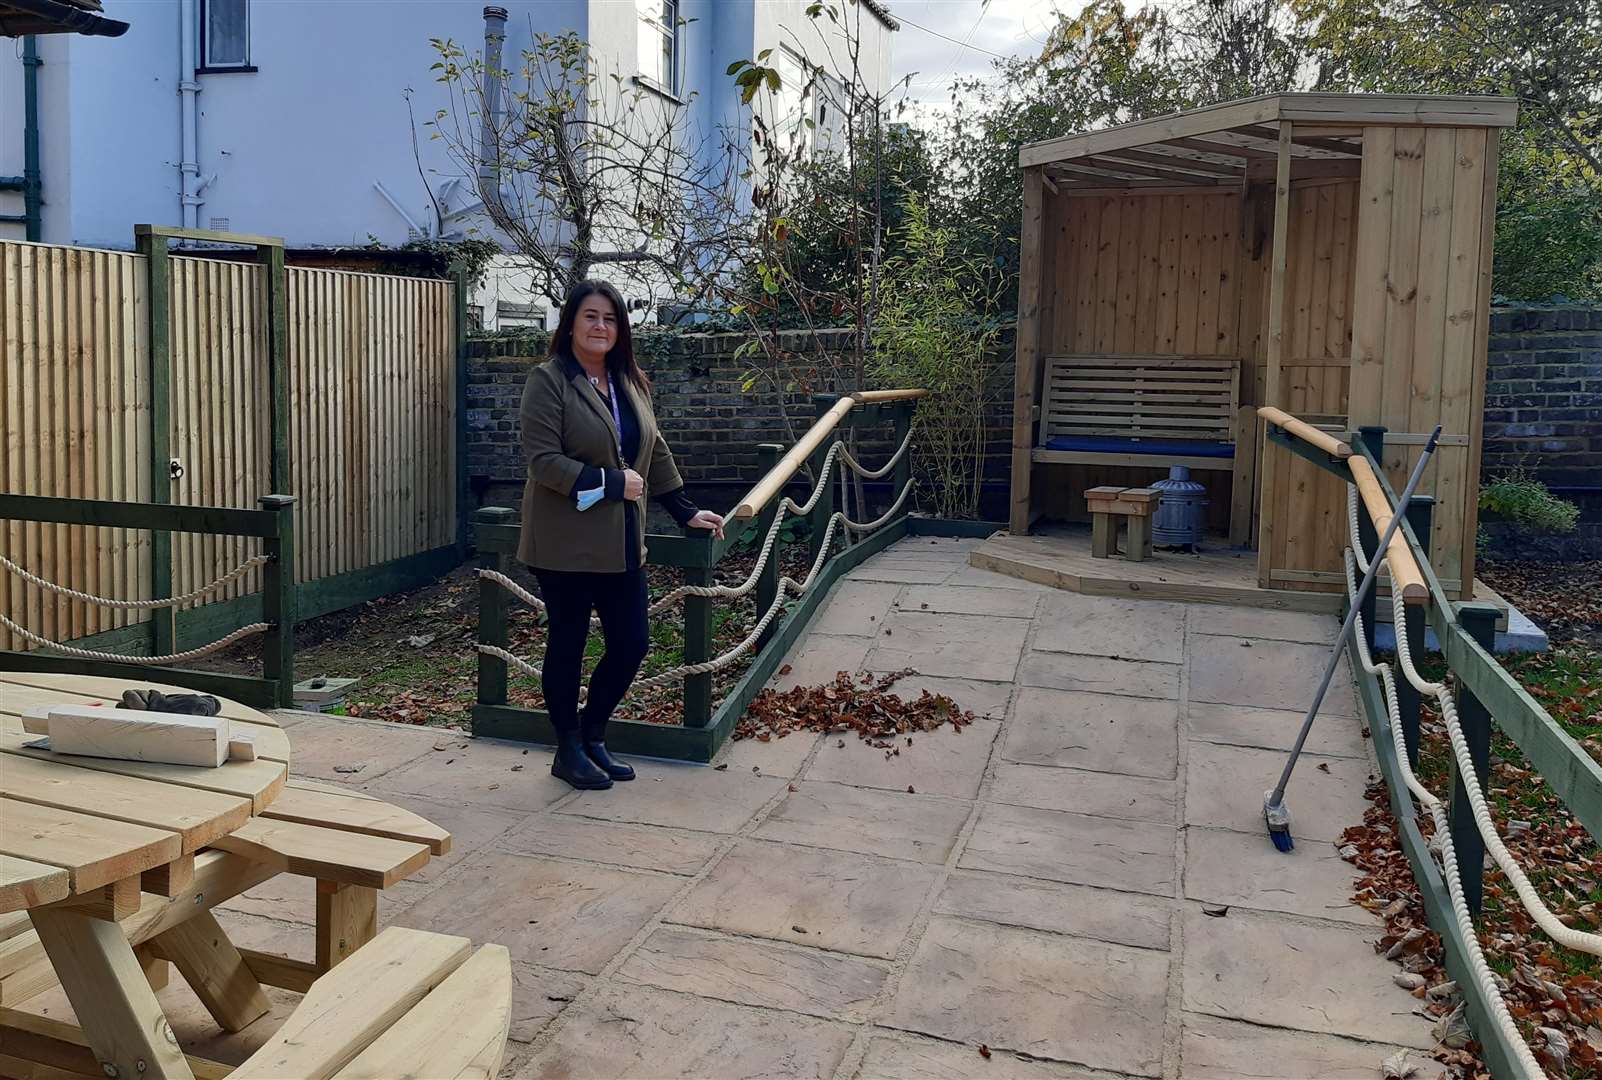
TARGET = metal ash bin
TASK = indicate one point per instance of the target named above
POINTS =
(1178, 521)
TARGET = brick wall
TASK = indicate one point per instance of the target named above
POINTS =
(710, 419)
(1543, 394)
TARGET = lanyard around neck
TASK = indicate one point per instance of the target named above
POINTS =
(617, 416)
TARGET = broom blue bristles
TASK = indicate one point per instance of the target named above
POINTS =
(1278, 817)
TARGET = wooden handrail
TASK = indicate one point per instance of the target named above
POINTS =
(1305, 431)
(1405, 574)
(777, 477)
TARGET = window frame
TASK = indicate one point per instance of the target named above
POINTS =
(672, 34)
(208, 66)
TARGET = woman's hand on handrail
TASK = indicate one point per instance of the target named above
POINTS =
(706, 519)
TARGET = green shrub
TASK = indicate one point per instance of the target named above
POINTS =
(1521, 499)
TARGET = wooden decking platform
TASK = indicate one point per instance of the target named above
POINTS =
(1060, 557)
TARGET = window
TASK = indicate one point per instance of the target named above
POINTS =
(225, 35)
(659, 43)
(793, 104)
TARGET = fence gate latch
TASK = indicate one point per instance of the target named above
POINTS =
(175, 469)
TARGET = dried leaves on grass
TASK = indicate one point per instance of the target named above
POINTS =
(862, 703)
(1558, 1010)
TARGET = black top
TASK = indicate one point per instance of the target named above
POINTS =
(675, 502)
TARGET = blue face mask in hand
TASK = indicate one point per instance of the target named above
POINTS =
(587, 499)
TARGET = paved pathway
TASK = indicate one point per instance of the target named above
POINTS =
(1035, 883)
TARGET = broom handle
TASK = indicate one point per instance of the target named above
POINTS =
(1351, 617)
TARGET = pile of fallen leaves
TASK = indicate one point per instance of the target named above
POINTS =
(1558, 1011)
(1565, 599)
(862, 703)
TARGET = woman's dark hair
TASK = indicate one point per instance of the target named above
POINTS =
(620, 358)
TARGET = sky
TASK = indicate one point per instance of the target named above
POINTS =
(941, 40)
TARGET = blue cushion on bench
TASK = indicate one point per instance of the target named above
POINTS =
(1110, 444)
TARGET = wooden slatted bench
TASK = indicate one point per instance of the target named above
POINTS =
(1150, 412)
(412, 1003)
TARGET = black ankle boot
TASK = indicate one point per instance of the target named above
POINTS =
(574, 765)
(595, 748)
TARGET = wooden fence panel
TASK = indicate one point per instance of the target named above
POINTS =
(372, 390)
(371, 369)
(75, 395)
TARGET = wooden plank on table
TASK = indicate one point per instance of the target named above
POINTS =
(258, 780)
(458, 1030)
(25, 883)
(366, 815)
(108, 689)
(271, 740)
(326, 854)
(347, 1009)
(129, 735)
(197, 816)
(94, 851)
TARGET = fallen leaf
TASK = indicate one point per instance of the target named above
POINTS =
(720, 768)
(984, 1051)
(1217, 911)
(350, 768)
(1323, 766)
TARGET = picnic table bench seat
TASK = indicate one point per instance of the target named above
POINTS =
(410, 1004)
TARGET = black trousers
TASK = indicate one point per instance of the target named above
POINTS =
(621, 601)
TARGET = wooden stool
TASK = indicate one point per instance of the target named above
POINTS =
(1106, 505)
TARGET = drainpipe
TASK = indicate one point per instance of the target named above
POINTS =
(189, 116)
(30, 182)
(489, 172)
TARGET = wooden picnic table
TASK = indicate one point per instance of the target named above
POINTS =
(116, 864)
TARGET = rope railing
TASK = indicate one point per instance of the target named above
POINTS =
(270, 523)
(123, 658)
(788, 586)
(1353, 563)
(138, 605)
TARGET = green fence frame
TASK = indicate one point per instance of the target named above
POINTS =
(1487, 696)
(704, 727)
(273, 524)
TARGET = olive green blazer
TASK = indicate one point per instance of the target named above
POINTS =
(565, 426)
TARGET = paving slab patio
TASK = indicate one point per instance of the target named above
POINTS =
(800, 913)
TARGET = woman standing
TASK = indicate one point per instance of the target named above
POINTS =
(594, 452)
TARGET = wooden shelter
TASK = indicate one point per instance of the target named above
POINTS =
(1329, 254)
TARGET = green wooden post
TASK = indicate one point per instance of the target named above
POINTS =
(158, 328)
(1374, 439)
(818, 520)
(459, 277)
(280, 454)
(1421, 518)
(902, 475)
(767, 586)
(492, 611)
(278, 598)
(697, 648)
(1479, 621)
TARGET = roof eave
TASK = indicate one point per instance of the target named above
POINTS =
(1359, 109)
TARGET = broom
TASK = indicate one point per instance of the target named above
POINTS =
(1275, 813)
